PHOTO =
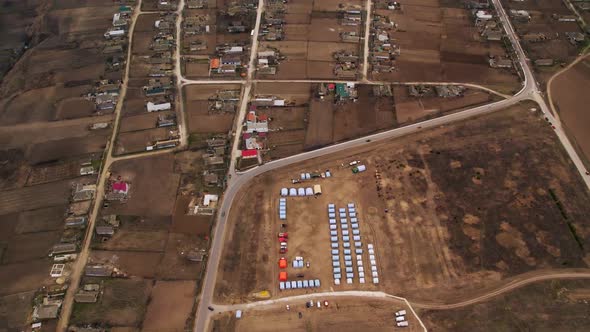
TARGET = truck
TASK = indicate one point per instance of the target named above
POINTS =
(352, 163)
(402, 324)
(400, 318)
(397, 313)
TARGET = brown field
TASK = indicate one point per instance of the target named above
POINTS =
(439, 42)
(557, 47)
(123, 303)
(547, 306)
(410, 109)
(137, 141)
(14, 310)
(432, 215)
(135, 264)
(342, 314)
(196, 105)
(569, 93)
(170, 306)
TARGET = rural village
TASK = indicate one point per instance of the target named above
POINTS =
(243, 165)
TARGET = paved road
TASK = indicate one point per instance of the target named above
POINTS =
(529, 91)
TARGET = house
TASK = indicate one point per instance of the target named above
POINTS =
(83, 192)
(249, 154)
(257, 127)
(544, 62)
(105, 231)
(565, 18)
(98, 271)
(212, 160)
(210, 179)
(521, 16)
(120, 187)
(210, 200)
(216, 142)
(86, 297)
(45, 312)
(153, 107)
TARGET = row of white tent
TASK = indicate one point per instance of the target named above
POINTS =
(297, 192)
(297, 284)
(282, 208)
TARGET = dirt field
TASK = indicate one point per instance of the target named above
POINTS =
(547, 306)
(569, 98)
(170, 306)
(436, 200)
(342, 314)
(196, 105)
(123, 303)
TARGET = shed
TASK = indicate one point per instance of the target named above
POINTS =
(347, 251)
(331, 215)
(348, 263)
(336, 264)
(331, 206)
(300, 192)
(353, 220)
(308, 191)
(372, 257)
(284, 191)
(283, 276)
(336, 270)
(152, 107)
(292, 192)
(343, 221)
(353, 214)
(104, 230)
(350, 275)
(337, 276)
(333, 233)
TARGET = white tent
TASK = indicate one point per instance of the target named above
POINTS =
(301, 192)
(292, 192)
(284, 191)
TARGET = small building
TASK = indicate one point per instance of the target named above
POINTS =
(249, 154)
(46, 312)
(98, 271)
(210, 179)
(544, 62)
(317, 189)
(86, 297)
(153, 107)
(120, 187)
(210, 200)
(105, 231)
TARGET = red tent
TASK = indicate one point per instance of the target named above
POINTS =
(283, 276)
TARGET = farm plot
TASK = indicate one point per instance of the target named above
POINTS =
(439, 42)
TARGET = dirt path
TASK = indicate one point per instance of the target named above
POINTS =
(550, 82)
(510, 285)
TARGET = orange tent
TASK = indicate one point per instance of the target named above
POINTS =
(215, 63)
(283, 276)
(282, 263)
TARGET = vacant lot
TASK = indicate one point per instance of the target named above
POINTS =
(201, 119)
(170, 306)
(569, 97)
(546, 306)
(342, 314)
(430, 204)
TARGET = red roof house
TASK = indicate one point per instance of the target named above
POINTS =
(252, 153)
(120, 187)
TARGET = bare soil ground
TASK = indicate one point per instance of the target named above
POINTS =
(196, 105)
(123, 303)
(432, 213)
(342, 314)
(170, 306)
(569, 97)
(546, 306)
(14, 310)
